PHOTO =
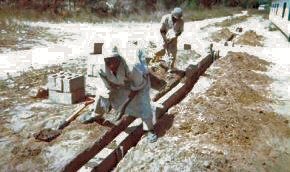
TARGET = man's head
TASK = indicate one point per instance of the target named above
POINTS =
(113, 59)
(177, 13)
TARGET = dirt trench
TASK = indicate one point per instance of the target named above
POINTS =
(231, 127)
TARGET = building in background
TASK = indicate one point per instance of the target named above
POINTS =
(280, 16)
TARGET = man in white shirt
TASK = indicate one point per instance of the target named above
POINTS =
(171, 27)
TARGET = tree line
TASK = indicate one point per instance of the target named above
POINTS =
(104, 6)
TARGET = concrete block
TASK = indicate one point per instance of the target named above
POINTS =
(92, 70)
(66, 98)
(55, 82)
(94, 63)
(65, 82)
(92, 85)
(98, 47)
(187, 47)
(73, 82)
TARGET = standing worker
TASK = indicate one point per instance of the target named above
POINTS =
(126, 89)
(171, 27)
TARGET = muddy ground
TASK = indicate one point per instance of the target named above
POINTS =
(231, 127)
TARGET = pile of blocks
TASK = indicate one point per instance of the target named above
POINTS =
(66, 88)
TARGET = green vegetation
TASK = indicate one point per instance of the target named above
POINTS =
(204, 13)
(3, 85)
(100, 11)
(232, 21)
(16, 35)
(264, 14)
(85, 15)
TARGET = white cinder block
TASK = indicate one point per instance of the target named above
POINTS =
(72, 82)
(66, 98)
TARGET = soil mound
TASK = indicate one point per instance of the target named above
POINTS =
(223, 34)
(250, 38)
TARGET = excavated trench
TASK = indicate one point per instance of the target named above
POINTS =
(110, 148)
(228, 125)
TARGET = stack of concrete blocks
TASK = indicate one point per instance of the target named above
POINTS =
(93, 65)
(66, 88)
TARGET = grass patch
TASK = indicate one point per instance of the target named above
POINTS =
(16, 88)
(232, 21)
(217, 11)
(3, 85)
(16, 35)
(85, 15)
(264, 13)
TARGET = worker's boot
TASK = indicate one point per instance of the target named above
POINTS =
(89, 117)
(151, 137)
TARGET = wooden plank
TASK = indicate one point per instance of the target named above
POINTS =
(91, 151)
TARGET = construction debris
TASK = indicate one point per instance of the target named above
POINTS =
(38, 92)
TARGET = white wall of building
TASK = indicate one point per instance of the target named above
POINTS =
(276, 16)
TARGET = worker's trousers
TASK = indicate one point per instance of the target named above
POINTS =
(139, 107)
(170, 50)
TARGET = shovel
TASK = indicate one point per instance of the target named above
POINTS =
(49, 134)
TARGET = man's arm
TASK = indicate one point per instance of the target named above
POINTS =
(110, 85)
(163, 34)
(105, 86)
(163, 29)
(137, 81)
(180, 30)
